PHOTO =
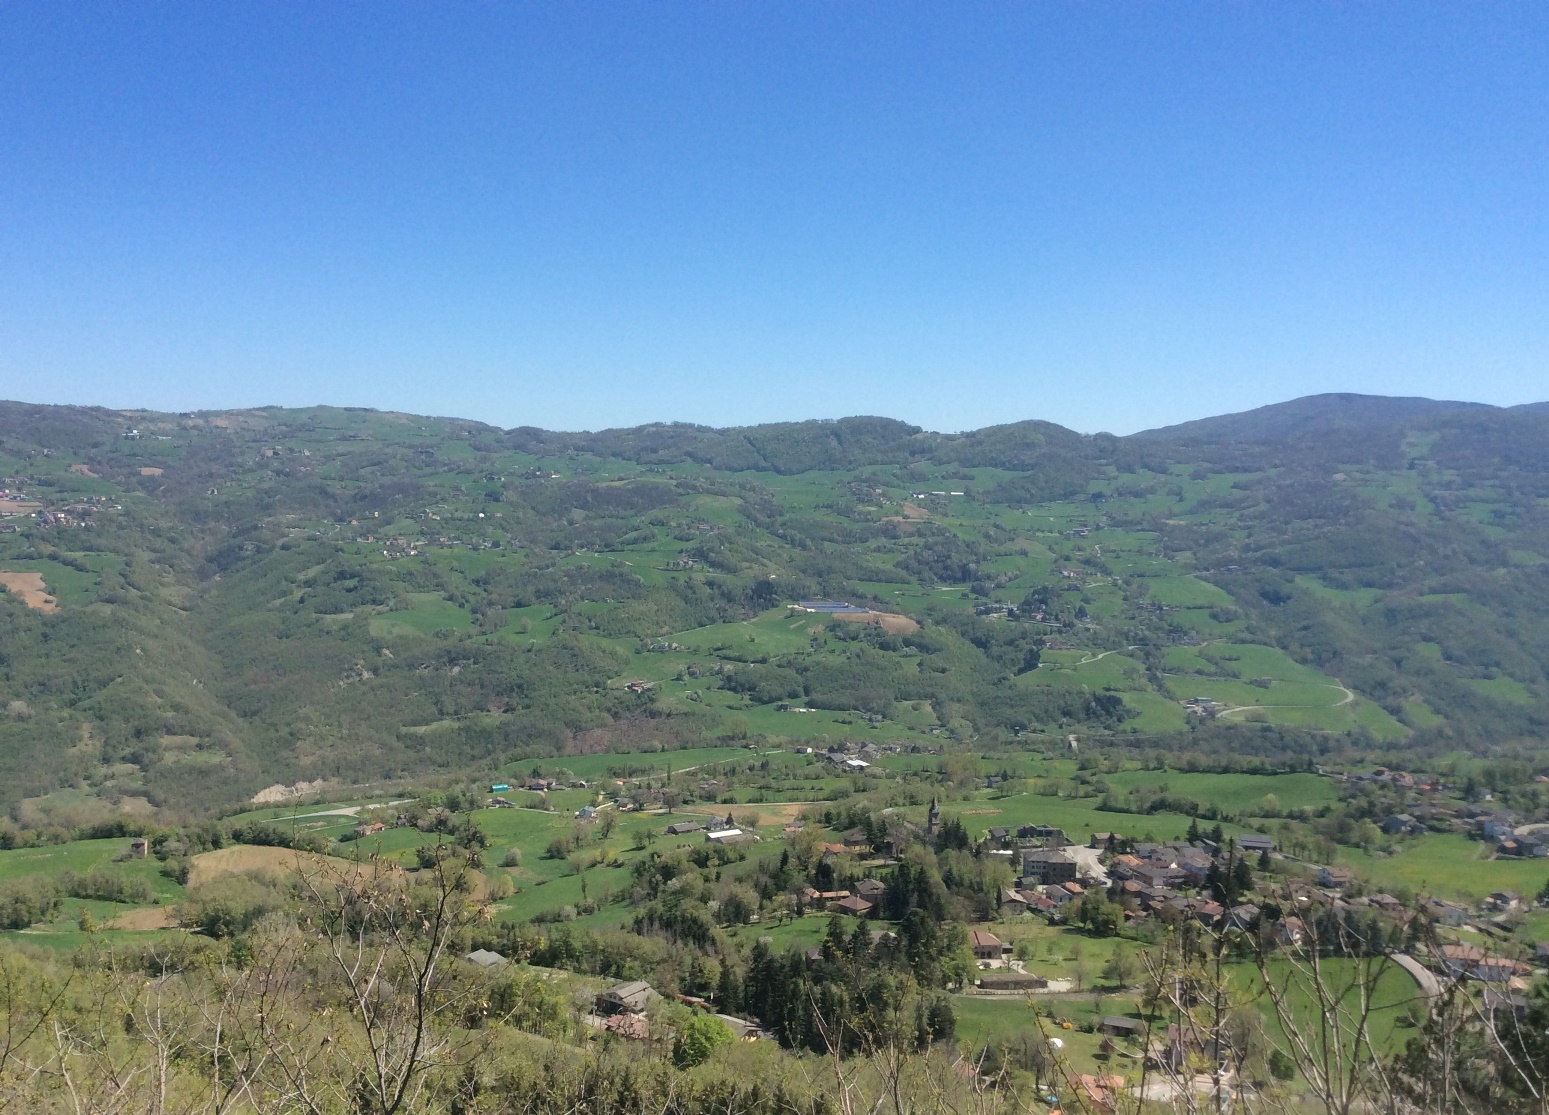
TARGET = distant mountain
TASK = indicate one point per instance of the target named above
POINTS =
(1311, 413)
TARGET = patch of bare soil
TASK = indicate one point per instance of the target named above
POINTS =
(156, 917)
(892, 624)
(913, 511)
(29, 588)
(279, 792)
(241, 858)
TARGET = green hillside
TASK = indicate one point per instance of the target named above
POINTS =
(201, 605)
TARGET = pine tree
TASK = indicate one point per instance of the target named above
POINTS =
(834, 944)
(728, 992)
(1242, 879)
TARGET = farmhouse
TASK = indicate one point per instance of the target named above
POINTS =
(987, 946)
(631, 997)
(683, 828)
(856, 907)
(1336, 878)
(871, 890)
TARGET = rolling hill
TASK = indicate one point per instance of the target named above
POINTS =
(199, 605)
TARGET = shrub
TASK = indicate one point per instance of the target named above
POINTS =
(107, 886)
(698, 1039)
(230, 905)
(26, 902)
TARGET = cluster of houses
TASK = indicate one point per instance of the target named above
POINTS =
(1421, 812)
(15, 503)
(859, 902)
(716, 831)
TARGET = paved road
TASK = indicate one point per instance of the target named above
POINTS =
(1430, 986)
(1086, 862)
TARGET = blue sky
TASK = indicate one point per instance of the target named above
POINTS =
(1109, 215)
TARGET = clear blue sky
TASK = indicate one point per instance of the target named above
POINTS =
(1110, 215)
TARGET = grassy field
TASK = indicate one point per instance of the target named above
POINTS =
(428, 613)
(633, 764)
(83, 857)
(1502, 688)
(1450, 866)
(1239, 793)
(1394, 996)
(1286, 692)
(1078, 817)
(67, 585)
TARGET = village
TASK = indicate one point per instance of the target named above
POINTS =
(1107, 886)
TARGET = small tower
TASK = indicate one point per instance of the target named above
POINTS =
(933, 819)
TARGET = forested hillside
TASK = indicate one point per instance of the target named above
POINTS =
(200, 605)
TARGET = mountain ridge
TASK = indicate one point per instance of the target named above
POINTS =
(267, 595)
